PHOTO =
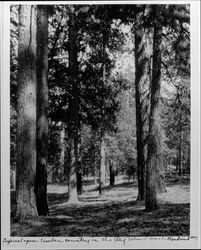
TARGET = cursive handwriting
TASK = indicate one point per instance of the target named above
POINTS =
(88, 240)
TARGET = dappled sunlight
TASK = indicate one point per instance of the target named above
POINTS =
(126, 220)
(57, 188)
(116, 213)
(176, 194)
(100, 120)
(61, 216)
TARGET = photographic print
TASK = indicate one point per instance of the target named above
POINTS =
(100, 125)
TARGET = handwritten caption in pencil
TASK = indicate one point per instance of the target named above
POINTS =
(89, 240)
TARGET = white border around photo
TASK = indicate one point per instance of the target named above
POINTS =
(192, 242)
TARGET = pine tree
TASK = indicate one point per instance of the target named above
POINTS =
(42, 106)
(73, 108)
(153, 151)
(102, 171)
(26, 111)
(142, 84)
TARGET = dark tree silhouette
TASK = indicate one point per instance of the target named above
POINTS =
(42, 106)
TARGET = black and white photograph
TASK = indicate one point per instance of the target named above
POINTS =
(101, 145)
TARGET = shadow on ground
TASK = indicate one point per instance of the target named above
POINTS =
(122, 219)
(119, 185)
(102, 216)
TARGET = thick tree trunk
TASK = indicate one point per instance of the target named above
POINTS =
(26, 119)
(42, 106)
(142, 81)
(153, 154)
(72, 181)
(73, 109)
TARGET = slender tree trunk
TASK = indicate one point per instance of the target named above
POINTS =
(180, 150)
(62, 152)
(26, 119)
(73, 108)
(42, 106)
(55, 174)
(142, 80)
(94, 155)
(153, 154)
(102, 167)
(79, 168)
(112, 174)
(102, 147)
(72, 182)
(67, 164)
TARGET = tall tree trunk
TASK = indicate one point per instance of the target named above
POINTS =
(26, 119)
(42, 106)
(142, 80)
(73, 108)
(102, 146)
(153, 154)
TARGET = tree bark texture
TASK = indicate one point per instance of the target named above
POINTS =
(153, 154)
(79, 167)
(73, 108)
(142, 82)
(102, 147)
(26, 115)
(42, 111)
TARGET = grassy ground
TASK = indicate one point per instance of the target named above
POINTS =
(116, 213)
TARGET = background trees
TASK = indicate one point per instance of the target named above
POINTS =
(117, 90)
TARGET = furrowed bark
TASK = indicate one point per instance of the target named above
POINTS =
(153, 154)
(26, 115)
(73, 107)
(42, 111)
(142, 82)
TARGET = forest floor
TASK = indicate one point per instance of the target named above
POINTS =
(116, 213)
